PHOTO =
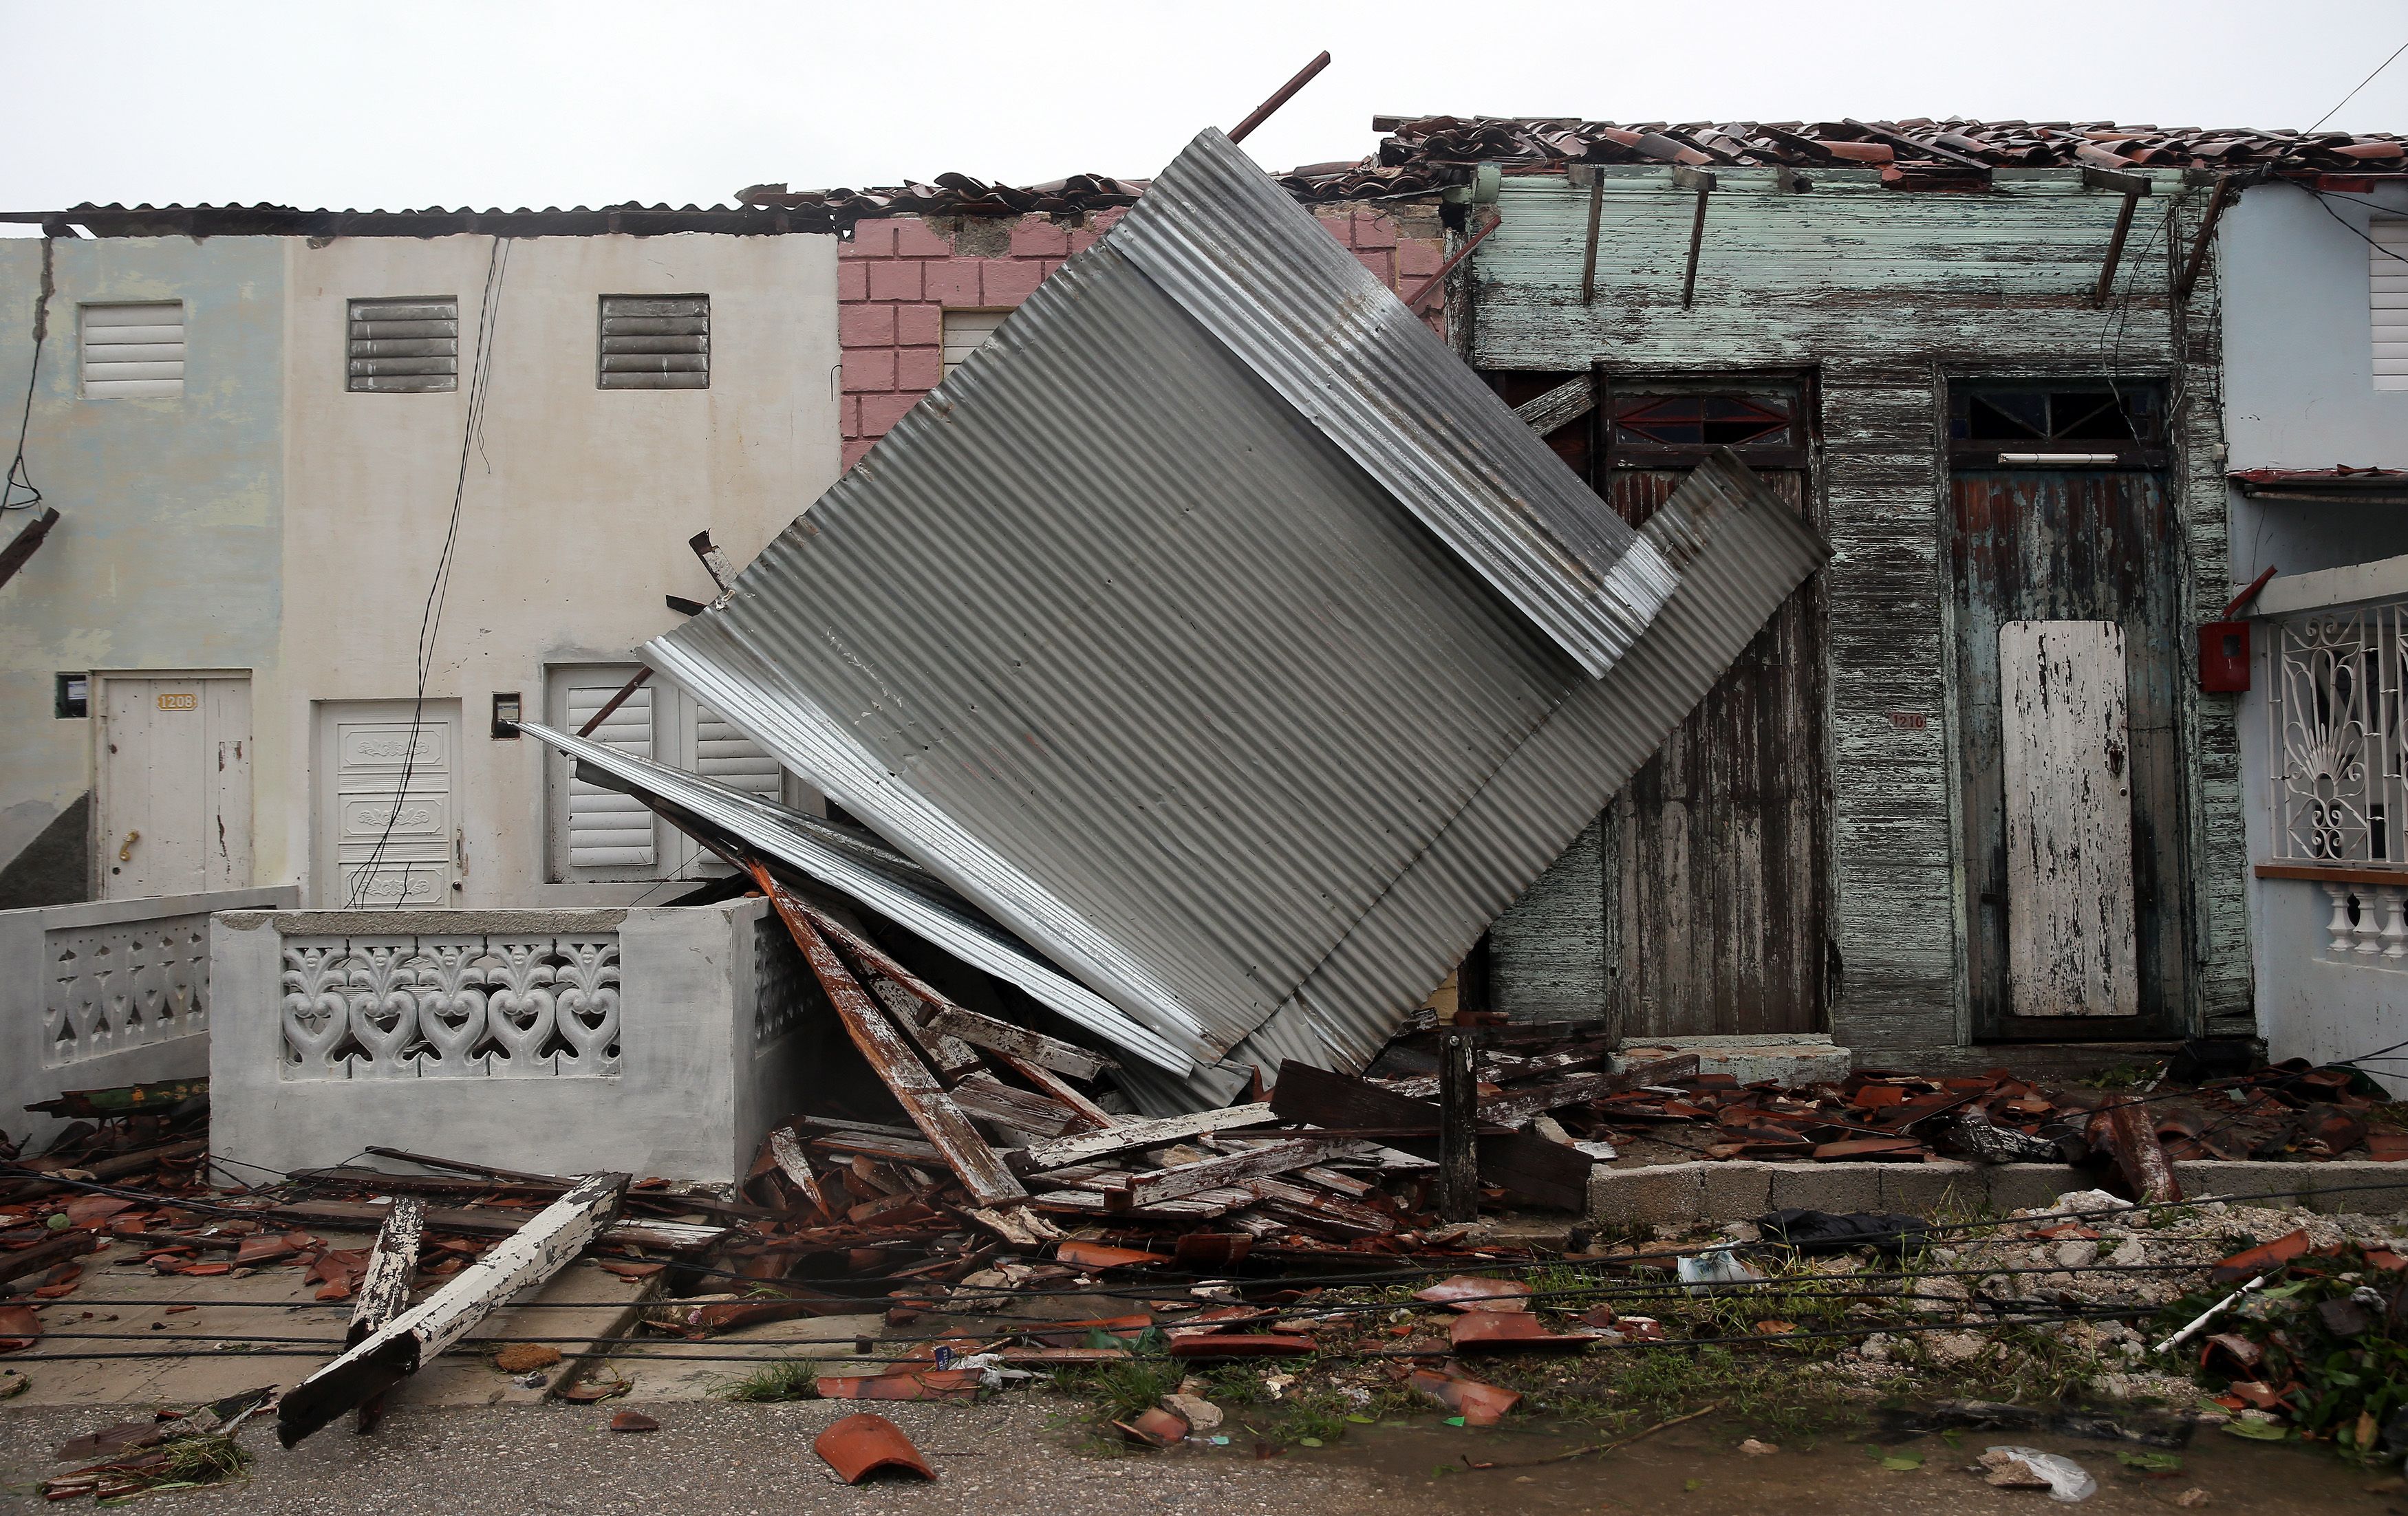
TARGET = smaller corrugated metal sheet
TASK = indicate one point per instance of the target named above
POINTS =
(1310, 320)
(894, 887)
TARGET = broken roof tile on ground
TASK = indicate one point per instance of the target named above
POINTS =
(1217, 633)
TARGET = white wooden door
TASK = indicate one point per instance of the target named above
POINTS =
(175, 785)
(2069, 794)
(387, 834)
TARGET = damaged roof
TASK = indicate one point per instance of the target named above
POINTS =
(1217, 632)
(1423, 153)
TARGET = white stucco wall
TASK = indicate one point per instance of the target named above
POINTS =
(577, 509)
(2299, 349)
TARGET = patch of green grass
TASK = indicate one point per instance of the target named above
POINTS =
(1119, 1389)
(788, 1378)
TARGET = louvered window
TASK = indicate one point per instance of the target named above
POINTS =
(965, 332)
(608, 830)
(134, 350)
(405, 345)
(599, 835)
(2388, 281)
(655, 342)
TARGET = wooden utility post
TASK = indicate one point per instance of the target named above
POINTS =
(1458, 1154)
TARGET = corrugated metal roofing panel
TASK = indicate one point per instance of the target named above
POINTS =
(884, 884)
(1306, 316)
(1113, 636)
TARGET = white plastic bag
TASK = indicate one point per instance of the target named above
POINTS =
(2068, 1480)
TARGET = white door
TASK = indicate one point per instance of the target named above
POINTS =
(2068, 794)
(175, 785)
(386, 834)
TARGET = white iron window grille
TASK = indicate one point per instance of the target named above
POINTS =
(2340, 777)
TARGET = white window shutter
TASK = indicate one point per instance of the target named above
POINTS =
(2386, 257)
(965, 332)
(723, 753)
(134, 350)
(606, 829)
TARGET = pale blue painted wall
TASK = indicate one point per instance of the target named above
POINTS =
(166, 554)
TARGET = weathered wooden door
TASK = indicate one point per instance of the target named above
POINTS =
(1722, 879)
(386, 832)
(175, 785)
(2060, 524)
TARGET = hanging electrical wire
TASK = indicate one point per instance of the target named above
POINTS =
(18, 493)
(430, 621)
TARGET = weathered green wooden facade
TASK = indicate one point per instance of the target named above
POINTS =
(1877, 301)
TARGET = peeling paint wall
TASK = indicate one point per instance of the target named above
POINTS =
(1885, 296)
(166, 554)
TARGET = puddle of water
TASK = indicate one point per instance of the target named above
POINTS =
(1698, 1469)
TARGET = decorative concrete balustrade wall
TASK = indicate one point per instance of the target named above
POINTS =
(104, 993)
(663, 1041)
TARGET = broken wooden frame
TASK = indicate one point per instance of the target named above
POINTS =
(398, 1348)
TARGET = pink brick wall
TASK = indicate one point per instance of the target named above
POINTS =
(897, 277)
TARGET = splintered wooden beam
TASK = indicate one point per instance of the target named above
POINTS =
(535, 1252)
(949, 1058)
(1511, 1107)
(989, 1098)
(384, 1288)
(1704, 182)
(945, 1126)
(1560, 406)
(2132, 187)
(1135, 1136)
(952, 1019)
(1152, 1188)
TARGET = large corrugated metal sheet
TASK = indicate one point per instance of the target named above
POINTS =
(1214, 668)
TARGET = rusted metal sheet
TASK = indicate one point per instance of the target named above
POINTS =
(2069, 815)
(2046, 545)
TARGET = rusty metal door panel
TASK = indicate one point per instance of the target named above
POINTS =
(1726, 834)
(2073, 545)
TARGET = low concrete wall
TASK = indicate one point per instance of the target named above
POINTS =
(104, 993)
(1739, 1190)
(663, 1041)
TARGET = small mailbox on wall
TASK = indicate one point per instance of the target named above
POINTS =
(2223, 645)
(2224, 657)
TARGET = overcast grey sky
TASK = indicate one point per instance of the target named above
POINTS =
(498, 104)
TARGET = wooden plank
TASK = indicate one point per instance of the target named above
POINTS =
(1529, 1165)
(384, 1288)
(1135, 1136)
(985, 1096)
(1511, 1107)
(1560, 406)
(931, 1110)
(2068, 803)
(958, 1022)
(1152, 1188)
(1458, 1157)
(531, 1254)
(1091, 1117)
